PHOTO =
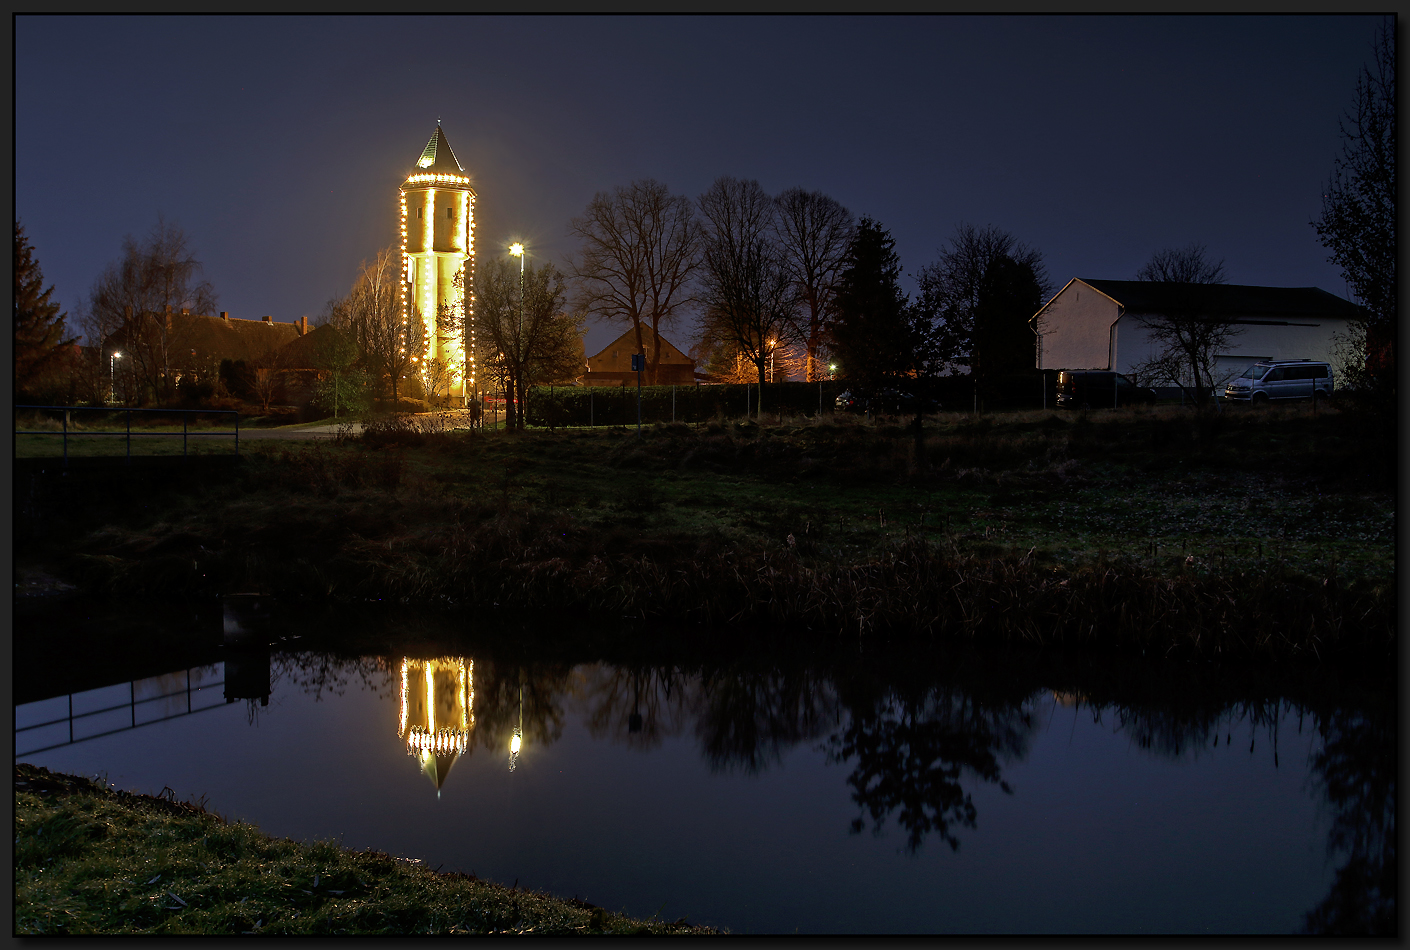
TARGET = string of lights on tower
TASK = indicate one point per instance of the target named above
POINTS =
(438, 262)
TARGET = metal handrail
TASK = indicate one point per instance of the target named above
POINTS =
(184, 413)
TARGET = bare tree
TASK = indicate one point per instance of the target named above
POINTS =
(132, 302)
(750, 297)
(639, 253)
(391, 342)
(266, 380)
(982, 291)
(527, 338)
(815, 231)
(1187, 332)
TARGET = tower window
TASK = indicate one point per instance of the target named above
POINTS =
(418, 213)
(450, 212)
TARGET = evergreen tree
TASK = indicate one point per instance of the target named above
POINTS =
(42, 344)
(1358, 221)
(872, 338)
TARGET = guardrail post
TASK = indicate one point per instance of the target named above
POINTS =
(183, 435)
(237, 434)
(129, 437)
(66, 438)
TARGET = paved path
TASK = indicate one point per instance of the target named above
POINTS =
(287, 433)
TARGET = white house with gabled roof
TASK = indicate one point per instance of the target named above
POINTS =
(1099, 324)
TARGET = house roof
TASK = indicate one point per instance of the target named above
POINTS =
(1146, 296)
(302, 352)
(214, 338)
(437, 157)
(627, 341)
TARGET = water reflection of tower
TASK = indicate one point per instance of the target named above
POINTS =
(437, 699)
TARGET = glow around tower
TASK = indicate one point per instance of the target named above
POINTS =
(437, 244)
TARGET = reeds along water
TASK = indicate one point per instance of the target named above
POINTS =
(916, 589)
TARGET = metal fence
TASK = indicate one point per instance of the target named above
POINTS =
(185, 434)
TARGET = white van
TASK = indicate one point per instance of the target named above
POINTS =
(1274, 380)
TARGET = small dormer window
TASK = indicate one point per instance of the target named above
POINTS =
(450, 213)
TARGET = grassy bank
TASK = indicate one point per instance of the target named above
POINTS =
(1263, 534)
(90, 860)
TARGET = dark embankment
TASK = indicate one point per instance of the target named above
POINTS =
(832, 532)
(93, 860)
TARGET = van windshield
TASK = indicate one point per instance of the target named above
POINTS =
(1255, 371)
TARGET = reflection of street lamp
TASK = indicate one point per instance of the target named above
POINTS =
(112, 376)
(517, 740)
(772, 344)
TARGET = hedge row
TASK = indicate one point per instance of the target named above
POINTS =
(617, 406)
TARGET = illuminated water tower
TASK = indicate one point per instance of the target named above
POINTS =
(437, 699)
(437, 245)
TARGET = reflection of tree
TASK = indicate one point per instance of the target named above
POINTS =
(1177, 731)
(317, 673)
(747, 720)
(498, 688)
(1356, 772)
(911, 751)
(640, 706)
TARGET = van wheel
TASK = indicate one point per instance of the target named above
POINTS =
(1086, 407)
(1319, 399)
(1260, 399)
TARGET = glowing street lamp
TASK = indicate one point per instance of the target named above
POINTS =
(517, 250)
(112, 375)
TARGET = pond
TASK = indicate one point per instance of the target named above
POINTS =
(915, 793)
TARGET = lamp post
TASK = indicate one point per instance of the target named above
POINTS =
(112, 375)
(517, 250)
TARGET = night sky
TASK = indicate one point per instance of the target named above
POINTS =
(278, 143)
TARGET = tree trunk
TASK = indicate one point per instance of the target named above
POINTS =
(919, 433)
(653, 367)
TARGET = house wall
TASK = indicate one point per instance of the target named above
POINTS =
(1075, 329)
(616, 357)
(1302, 338)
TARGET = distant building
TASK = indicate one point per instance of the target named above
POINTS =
(613, 366)
(194, 345)
(437, 245)
(1099, 324)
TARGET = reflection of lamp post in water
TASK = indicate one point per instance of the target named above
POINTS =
(634, 720)
(517, 740)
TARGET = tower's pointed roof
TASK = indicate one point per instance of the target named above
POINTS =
(437, 157)
(437, 767)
